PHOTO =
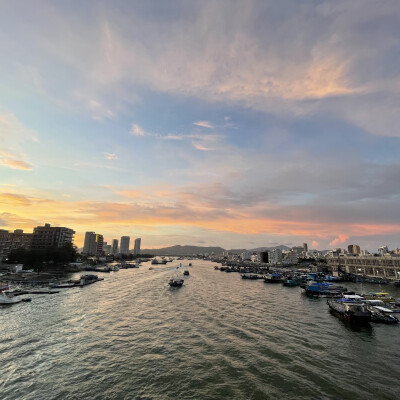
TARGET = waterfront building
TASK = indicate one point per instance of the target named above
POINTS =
(124, 247)
(47, 236)
(354, 249)
(115, 247)
(388, 266)
(10, 241)
(136, 249)
(245, 256)
(275, 256)
(93, 245)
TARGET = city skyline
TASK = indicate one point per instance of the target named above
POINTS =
(237, 124)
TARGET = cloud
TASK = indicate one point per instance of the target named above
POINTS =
(204, 124)
(110, 156)
(199, 146)
(10, 198)
(136, 130)
(314, 244)
(338, 240)
(16, 164)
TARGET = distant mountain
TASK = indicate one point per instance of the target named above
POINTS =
(183, 250)
(190, 250)
(258, 249)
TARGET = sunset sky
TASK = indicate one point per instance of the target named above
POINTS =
(210, 123)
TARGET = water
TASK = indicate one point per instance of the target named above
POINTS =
(217, 337)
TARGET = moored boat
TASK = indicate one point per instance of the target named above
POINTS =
(273, 278)
(383, 296)
(382, 315)
(291, 281)
(350, 310)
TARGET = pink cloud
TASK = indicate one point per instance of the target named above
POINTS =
(339, 239)
(204, 124)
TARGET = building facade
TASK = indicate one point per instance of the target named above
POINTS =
(275, 256)
(354, 249)
(136, 250)
(115, 247)
(10, 241)
(124, 247)
(387, 267)
(46, 237)
(93, 245)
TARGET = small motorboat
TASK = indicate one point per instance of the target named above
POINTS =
(186, 272)
(7, 298)
(175, 282)
(382, 314)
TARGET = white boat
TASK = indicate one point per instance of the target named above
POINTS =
(9, 298)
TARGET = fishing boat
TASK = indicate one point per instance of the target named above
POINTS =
(273, 278)
(350, 310)
(173, 282)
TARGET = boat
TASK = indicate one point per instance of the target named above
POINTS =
(291, 281)
(350, 310)
(175, 282)
(115, 268)
(8, 298)
(324, 289)
(62, 285)
(251, 276)
(154, 261)
(380, 296)
(382, 315)
(88, 279)
(186, 272)
(273, 278)
(216, 268)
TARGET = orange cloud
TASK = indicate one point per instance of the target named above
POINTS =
(16, 164)
(17, 199)
(339, 239)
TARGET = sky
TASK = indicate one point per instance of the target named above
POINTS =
(213, 123)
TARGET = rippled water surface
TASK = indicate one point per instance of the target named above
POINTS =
(217, 337)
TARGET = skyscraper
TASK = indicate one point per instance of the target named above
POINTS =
(124, 248)
(115, 246)
(305, 248)
(93, 245)
(136, 250)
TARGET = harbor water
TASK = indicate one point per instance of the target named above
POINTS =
(131, 336)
